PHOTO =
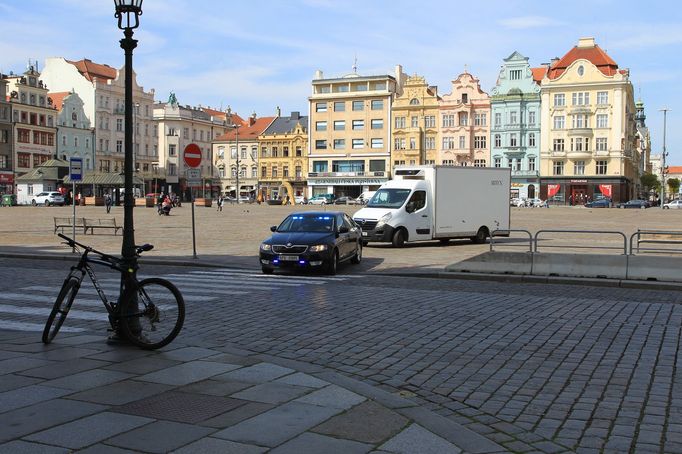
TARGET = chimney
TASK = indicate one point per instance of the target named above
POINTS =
(279, 111)
(318, 75)
(252, 119)
(295, 115)
(586, 42)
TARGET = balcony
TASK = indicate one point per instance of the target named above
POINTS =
(525, 173)
(346, 174)
(119, 110)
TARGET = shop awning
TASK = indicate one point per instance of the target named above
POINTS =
(104, 179)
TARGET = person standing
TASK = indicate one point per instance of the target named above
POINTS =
(220, 202)
(107, 202)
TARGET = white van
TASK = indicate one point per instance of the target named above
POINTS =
(438, 202)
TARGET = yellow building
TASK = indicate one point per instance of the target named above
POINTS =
(350, 133)
(415, 123)
(588, 130)
(283, 158)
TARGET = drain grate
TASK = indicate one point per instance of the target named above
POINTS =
(181, 407)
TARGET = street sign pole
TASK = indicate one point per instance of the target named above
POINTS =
(76, 174)
(194, 236)
(192, 157)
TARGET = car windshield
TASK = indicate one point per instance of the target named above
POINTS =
(307, 223)
(389, 198)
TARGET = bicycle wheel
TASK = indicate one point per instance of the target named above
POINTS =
(61, 307)
(156, 317)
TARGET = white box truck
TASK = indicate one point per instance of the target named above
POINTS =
(438, 202)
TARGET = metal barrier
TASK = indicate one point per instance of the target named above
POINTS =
(509, 242)
(624, 249)
(644, 233)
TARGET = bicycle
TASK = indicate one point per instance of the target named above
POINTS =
(149, 313)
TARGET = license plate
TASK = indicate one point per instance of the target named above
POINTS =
(364, 233)
(288, 258)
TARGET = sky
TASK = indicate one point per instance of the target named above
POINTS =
(258, 55)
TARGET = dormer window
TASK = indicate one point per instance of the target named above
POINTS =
(414, 102)
(581, 70)
(465, 98)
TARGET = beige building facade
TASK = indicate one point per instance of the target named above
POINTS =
(350, 132)
(415, 123)
(465, 124)
(6, 141)
(588, 130)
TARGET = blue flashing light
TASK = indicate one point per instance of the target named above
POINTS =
(302, 262)
(325, 218)
(275, 261)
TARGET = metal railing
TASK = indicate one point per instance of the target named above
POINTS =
(510, 242)
(624, 249)
(655, 237)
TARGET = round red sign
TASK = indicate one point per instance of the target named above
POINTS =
(192, 155)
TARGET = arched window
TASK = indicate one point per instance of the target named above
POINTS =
(414, 102)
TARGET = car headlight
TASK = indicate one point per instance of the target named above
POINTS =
(265, 247)
(318, 248)
(383, 220)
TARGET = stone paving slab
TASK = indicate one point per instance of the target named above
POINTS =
(159, 437)
(210, 445)
(271, 393)
(367, 422)
(189, 372)
(120, 393)
(417, 439)
(332, 396)
(310, 443)
(29, 395)
(25, 447)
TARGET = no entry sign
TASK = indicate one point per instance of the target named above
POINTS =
(192, 155)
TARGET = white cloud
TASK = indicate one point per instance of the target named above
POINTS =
(525, 22)
(649, 36)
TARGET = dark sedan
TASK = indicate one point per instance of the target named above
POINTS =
(312, 240)
(635, 203)
(600, 203)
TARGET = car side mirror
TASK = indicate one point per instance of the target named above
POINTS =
(344, 229)
(273, 228)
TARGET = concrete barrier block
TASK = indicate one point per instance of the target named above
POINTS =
(580, 265)
(652, 267)
(496, 263)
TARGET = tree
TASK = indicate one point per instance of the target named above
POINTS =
(650, 181)
(673, 186)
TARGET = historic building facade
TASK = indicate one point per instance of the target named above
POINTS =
(179, 126)
(350, 132)
(464, 124)
(588, 130)
(643, 143)
(75, 135)
(33, 120)
(102, 89)
(6, 141)
(515, 128)
(415, 123)
(283, 158)
(236, 155)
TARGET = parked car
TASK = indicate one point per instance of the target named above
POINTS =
(517, 202)
(312, 240)
(47, 199)
(536, 203)
(634, 203)
(300, 200)
(675, 205)
(599, 203)
(347, 201)
(321, 200)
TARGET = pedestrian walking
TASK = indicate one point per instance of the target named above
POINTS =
(220, 202)
(107, 202)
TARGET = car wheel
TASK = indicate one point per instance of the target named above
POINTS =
(266, 270)
(642, 207)
(33, 202)
(47, 203)
(444, 241)
(399, 238)
(357, 258)
(666, 208)
(365, 243)
(480, 237)
(333, 264)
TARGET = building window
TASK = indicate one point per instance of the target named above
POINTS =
(377, 123)
(358, 143)
(602, 121)
(358, 125)
(602, 167)
(479, 162)
(531, 139)
(463, 118)
(413, 143)
(579, 168)
(399, 122)
(221, 152)
(119, 146)
(559, 100)
(399, 144)
(320, 126)
(254, 172)
(498, 140)
(172, 169)
(274, 171)
(4, 136)
(430, 143)
(263, 172)
(465, 98)
(377, 165)
(358, 105)
(580, 121)
(448, 121)
(339, 144)
(513, 140)
(299, 172)
(579, 144)
(497, 162)
(462, 142)
(602, 97)
(558, 145)
(448, 143)
(602, 143)
(377, 104)
(479, 142)
(285, 152)
(23, 160)
(348, 166)
(531, 117)
(498, 119)
(414, 121)
(377, 143)
(171, 149)
(430, 121)
(581, 98)
(320, 144)
(3, 161)
(119, 124)
(558, 168)
(339, 125)
(321, 107)
(285, 172)
(559, 122)
(531, 163)
(480, 119)
(339, 106)
(299, 152)
(515, 74)
(513, 117)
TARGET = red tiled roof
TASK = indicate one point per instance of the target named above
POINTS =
(58, 98)
(594, 54)
(247, 132)
(91, 70)
(676, 170)
(539, 73)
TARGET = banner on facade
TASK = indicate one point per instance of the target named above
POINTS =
(606, 189)
(552, 190)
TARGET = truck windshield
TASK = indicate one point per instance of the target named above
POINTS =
(389, 198)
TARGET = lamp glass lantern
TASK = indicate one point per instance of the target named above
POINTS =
(128, 13)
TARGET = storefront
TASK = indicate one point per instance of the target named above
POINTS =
(559, 191)
(339, 186)
(6, 183)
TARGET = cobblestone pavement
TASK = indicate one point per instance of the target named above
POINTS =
(531, 367)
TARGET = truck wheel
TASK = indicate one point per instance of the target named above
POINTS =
(444, 241)
(480, 237)
(399, 238)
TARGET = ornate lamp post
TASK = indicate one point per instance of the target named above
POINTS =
(128, 13)
(234, 126)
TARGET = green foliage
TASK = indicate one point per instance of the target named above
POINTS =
(673, 185)
(650, 181)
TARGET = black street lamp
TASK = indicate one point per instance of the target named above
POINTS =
(128, 13)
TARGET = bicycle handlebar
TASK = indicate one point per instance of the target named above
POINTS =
(71, 242)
